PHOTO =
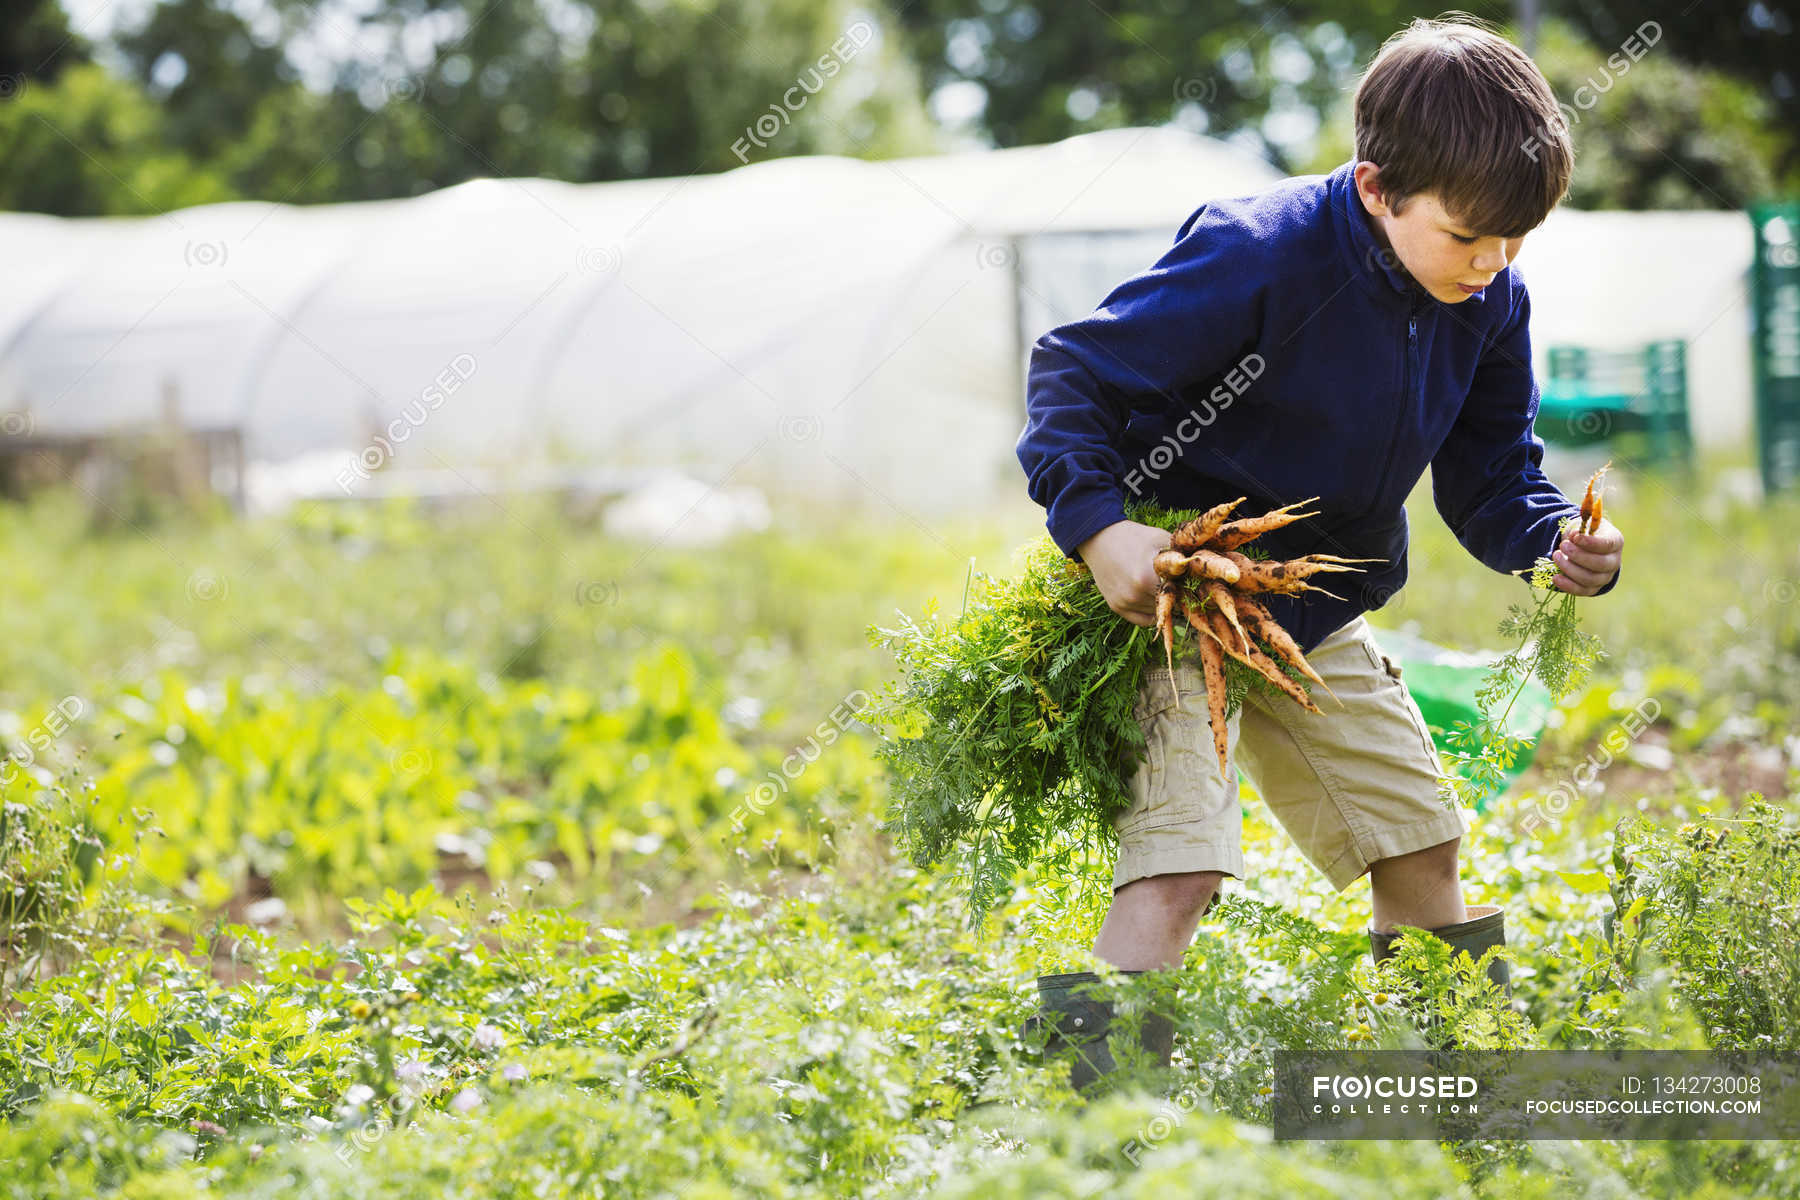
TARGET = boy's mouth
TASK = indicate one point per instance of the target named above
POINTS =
(1470, 291)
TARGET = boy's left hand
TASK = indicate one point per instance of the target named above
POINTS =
(1585, 561)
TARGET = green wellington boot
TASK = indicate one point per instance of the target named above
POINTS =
(1079, 1015)
(1485, 927)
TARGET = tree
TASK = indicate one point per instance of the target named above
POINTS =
(92, 144)
(1658, 134)
(1257, 71)
(1755, 41)
(36, 44)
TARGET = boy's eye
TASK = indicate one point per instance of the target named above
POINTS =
(1467, 241)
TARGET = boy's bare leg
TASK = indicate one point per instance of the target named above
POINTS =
(1423, 888)
(1152, 920)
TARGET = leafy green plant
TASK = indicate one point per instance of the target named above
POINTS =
(60, 898)
(1723, 904)
(1010, 738)
(1552, 648)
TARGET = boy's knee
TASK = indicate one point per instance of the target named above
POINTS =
(1185, 893)
(1444, 856)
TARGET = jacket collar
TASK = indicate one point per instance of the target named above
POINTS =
(1372, 264)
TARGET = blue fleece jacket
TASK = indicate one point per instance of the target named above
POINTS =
(1278, 351)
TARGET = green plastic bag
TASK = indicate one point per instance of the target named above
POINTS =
(1443, 683)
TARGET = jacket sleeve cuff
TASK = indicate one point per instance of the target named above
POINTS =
(1079, 518)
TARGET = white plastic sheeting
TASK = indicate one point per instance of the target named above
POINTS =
(841, 329)
(823, 325)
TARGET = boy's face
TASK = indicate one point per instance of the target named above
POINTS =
(1449, 260)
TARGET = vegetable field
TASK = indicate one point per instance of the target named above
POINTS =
(380, 851)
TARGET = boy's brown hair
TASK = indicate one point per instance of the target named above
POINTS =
(1449, 106)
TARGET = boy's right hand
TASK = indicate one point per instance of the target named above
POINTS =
(1122, 558)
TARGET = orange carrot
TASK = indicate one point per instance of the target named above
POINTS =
(1219, 596)
(1284, 578)
(1261, 663)
(1588, 499)
(1212, 666)
(1165, 623)
(1197, 532)
(1279, 641)
(1208, 565)
(1170, 564)
(1236, 533)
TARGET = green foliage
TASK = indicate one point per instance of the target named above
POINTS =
(441, 768)
(1723, 900)
(61, 899)
(92, 144)
(1012, 739)
(605, 90)
(837, 1031)
(1552, 648)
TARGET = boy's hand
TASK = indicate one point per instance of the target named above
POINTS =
(1585, 561)
(1122, 558)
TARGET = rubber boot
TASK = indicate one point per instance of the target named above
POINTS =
(1079, 1015)
(1485, 927)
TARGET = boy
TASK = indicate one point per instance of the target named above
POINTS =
(1331, 336)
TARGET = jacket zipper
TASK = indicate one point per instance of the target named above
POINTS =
(1406, 390)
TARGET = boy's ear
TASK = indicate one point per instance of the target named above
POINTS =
(1369, 190)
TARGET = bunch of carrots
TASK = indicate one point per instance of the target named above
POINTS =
(1214, 585)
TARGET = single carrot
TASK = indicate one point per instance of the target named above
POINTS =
(1247, 529)
(1170, 564)
(1261, 663)
(1194, 534)
(1219, 596)
(1281, 643)
(1165, 623)
(1212, 666)
(1204, 564)
(1599, 503)
(1284, 578)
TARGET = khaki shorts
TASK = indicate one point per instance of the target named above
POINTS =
(1357, 784)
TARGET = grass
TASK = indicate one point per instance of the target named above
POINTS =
(642, 989)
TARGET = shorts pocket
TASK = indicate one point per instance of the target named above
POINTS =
(1172, 782)
(1386, 669)
(1389, 677)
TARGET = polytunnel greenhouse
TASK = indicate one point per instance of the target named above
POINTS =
(823, 326)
